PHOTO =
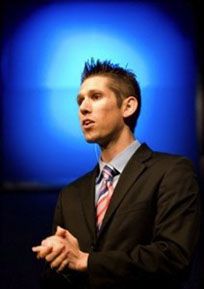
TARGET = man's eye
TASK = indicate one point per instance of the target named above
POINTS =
(96, 96)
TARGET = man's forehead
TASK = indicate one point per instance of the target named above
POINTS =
(94, 83)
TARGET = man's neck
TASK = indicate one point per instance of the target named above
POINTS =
(116, 146)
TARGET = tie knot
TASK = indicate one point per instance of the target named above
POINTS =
(109, 173)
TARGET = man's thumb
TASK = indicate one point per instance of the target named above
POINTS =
(60, 232)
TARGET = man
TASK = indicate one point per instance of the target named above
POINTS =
(132, 222)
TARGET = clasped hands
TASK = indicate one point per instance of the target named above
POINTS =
(62, 251)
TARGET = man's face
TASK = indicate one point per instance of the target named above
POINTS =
(100, 117)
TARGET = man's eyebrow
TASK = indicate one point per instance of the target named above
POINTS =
(95, 90)
(91, 91)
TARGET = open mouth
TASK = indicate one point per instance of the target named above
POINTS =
(87, 123)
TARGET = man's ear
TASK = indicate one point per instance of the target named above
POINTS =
(129, 106)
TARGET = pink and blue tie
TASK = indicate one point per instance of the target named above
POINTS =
(105, 194)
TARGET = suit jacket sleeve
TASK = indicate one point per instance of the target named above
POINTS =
(174, 237)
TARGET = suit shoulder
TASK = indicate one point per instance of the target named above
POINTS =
(170, 157)
(145, 153)
(171, 160)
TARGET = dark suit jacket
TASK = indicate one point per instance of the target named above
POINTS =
(150, 229)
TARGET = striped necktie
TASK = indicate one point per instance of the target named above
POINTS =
(105, 193)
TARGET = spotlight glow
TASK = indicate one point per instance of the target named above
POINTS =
(41, 67)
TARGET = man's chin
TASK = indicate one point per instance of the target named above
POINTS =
(101, 142)
(92, 140)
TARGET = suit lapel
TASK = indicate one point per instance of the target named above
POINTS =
(131, 173)
(87, 197)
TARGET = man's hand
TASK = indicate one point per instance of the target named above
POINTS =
(62, 250)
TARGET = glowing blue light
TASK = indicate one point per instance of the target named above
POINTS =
(41, 69)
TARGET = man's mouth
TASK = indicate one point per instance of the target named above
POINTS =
(87, 123)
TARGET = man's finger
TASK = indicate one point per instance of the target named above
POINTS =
(69, 236)
(54, 254)
(37, 248)
(57, 262)
(42, 251)
(60, 232)
(63, 265)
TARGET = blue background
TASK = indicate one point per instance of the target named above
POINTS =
(41, 65)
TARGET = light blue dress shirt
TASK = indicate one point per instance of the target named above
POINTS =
(119, 162)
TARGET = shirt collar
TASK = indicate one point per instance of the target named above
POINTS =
(119, 161)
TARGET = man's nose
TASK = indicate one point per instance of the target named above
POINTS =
(85, 106)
